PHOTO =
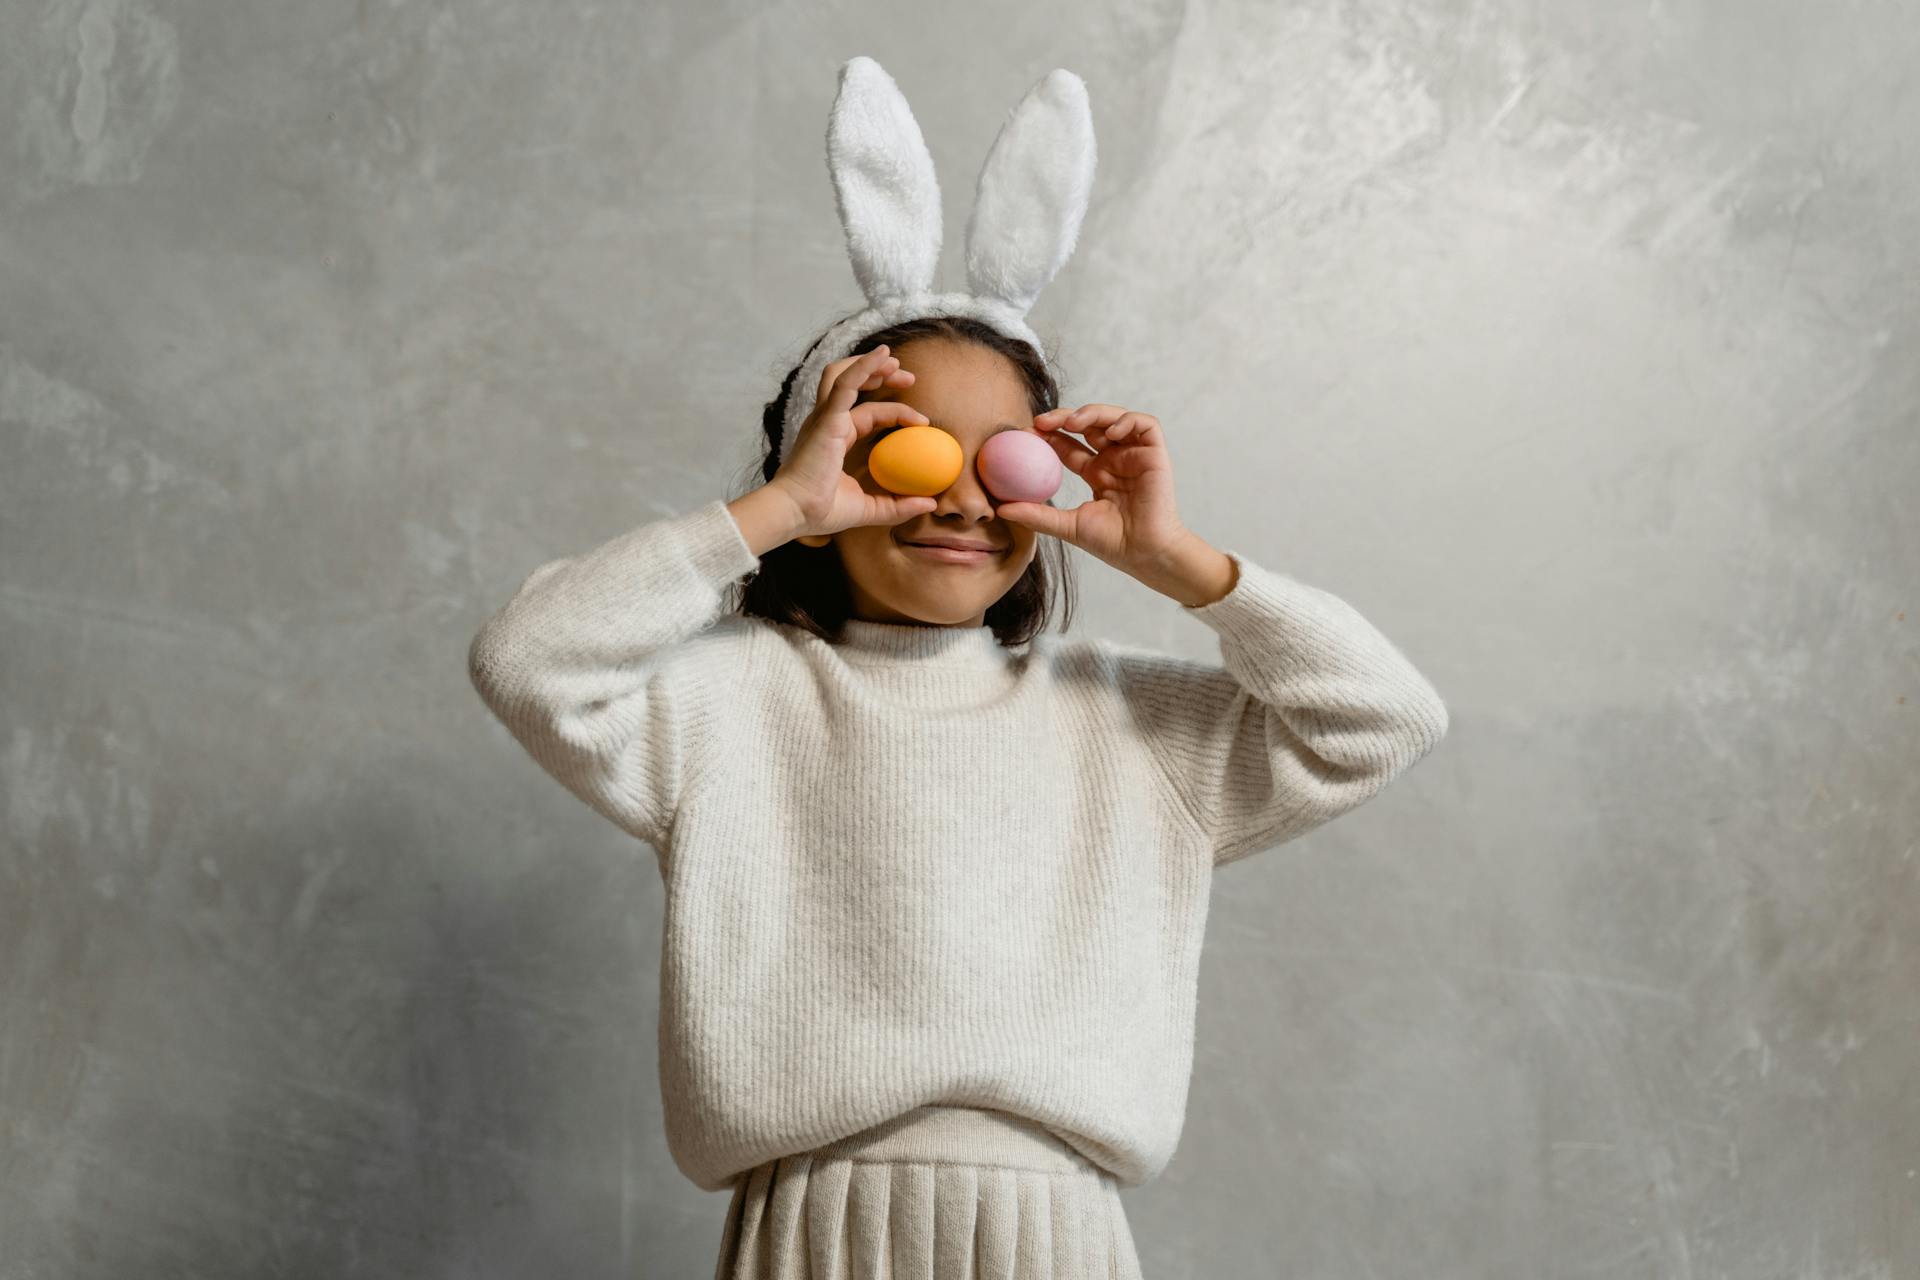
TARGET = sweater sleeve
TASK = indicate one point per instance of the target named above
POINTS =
(574, 664)
(1312, 713)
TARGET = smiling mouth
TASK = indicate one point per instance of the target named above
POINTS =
(950, 555)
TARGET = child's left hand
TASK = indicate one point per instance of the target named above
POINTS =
(1130, 522)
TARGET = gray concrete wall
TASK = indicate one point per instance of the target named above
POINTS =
(1574, 344)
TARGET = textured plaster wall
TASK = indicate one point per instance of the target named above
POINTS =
(1574, 343)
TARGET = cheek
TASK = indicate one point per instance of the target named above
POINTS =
(866, 545)
(1022, 555)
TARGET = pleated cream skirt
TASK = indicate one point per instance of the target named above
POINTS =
(939, 1193)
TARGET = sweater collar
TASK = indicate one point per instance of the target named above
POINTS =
(919, 644)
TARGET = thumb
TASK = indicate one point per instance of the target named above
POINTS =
(900, 510)
(1039, 517)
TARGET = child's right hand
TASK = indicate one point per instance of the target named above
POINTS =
(814, 476)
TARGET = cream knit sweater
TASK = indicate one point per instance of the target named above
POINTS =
(919, 867)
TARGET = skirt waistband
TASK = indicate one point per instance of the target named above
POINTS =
(961, 1135)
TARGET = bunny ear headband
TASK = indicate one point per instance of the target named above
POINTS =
(1026, 215)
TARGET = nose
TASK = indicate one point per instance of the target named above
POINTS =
(966, 497)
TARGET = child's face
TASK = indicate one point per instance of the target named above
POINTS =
(969, 392)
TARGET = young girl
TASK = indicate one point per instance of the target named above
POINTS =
(936, 880)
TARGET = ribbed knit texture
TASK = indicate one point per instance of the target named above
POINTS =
(918, 867)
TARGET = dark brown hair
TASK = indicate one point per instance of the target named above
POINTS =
(806, 587)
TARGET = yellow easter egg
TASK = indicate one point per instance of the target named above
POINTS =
(916, 461)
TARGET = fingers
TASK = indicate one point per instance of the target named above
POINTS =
(1108, 422)
(1140, 428)
(1052, 427)
(1073, 455)
(1080, 419)
(841, 381)
(1039, 517)
(874, 414)
(844, 379)
(888, 510)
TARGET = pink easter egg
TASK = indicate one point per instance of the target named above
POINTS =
(1018, 466)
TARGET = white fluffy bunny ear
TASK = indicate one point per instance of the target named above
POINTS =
(1033, 192)
(883, 184)
(1026, 215)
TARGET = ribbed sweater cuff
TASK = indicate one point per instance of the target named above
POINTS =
(1261, 597)
(1280, 628)
(714, 544)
